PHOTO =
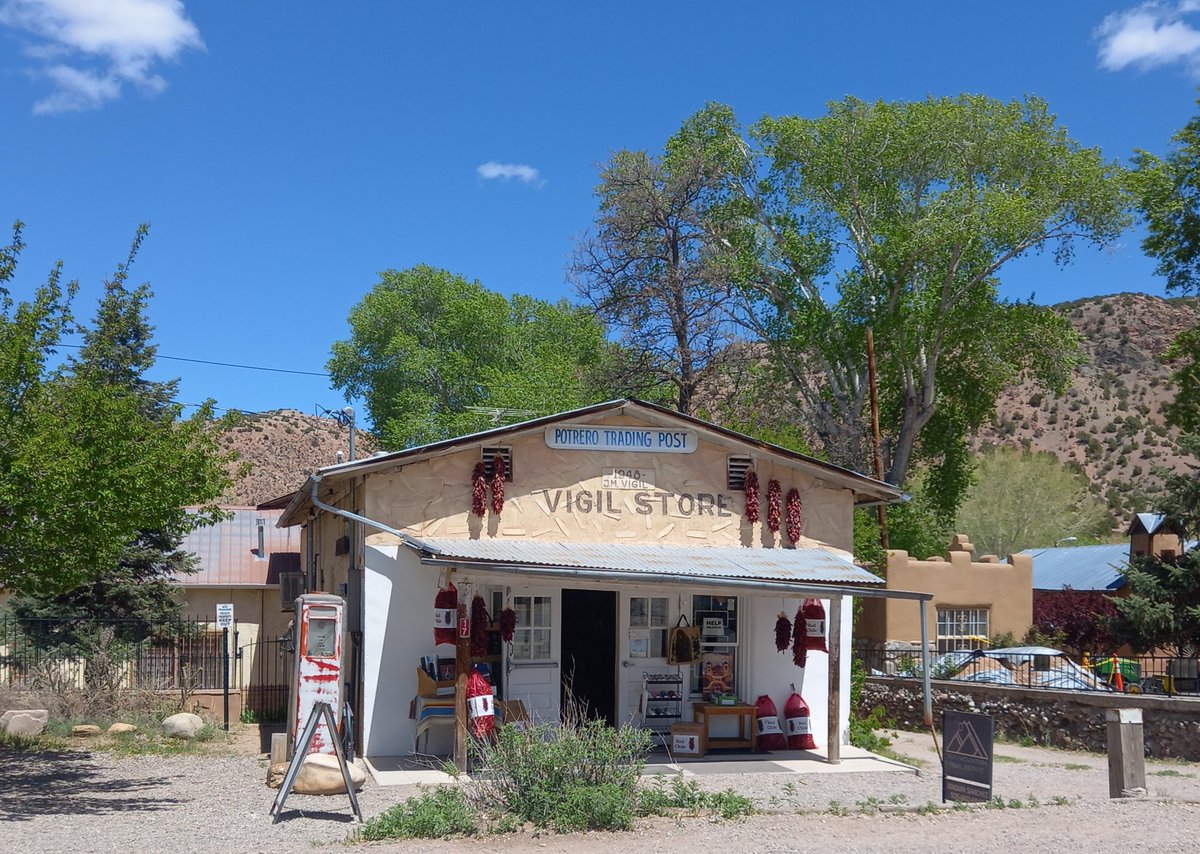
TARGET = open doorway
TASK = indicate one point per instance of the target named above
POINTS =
(589, 650)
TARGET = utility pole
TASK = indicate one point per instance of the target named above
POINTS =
(883, 527)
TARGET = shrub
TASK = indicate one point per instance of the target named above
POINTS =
(580, 775)
(434, 814)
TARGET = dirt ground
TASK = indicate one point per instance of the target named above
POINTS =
(81, 800)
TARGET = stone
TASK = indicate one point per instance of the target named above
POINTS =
(121, 728)
(24, 722)
(319, 775)
(85, 730)
(184, 725)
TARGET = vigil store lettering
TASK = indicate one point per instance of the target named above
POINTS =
(644, 503)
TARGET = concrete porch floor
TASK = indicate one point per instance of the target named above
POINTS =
(425, 770)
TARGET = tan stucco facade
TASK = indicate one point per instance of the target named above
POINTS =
(957, 581)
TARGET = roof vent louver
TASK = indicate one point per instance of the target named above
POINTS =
(735, 469)
(488, 455)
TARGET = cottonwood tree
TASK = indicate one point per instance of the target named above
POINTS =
(650, 269)
(425, 345)
(900, 217)
(94, 458)
(1021, 499)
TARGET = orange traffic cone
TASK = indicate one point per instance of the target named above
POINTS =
(1118, 682)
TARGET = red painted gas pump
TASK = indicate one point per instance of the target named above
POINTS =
(317, 675)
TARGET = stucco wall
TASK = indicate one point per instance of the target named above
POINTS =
(1005, 588)
(689, 504)
(258, 616)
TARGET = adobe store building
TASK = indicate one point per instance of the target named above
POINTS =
(617, 520)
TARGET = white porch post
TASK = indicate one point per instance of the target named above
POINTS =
(835, 680)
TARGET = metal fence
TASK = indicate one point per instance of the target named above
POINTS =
(72, 653)
(1146, 674)
(264, 671)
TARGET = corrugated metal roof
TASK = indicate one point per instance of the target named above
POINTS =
(228, 551)
(809, 565)
(1079, 567)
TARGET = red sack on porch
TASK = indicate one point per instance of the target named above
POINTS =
(769, 735)
(814, 625)
(798, 724)
(480, 705)
(445, 614)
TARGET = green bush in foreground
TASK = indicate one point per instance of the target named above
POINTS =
(435, 813)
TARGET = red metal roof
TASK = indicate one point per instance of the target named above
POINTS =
(228, 551)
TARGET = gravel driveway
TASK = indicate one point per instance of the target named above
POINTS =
(80, 801)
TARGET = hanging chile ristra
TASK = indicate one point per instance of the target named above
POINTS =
(783, 632)
(480, 619)
(750, 487)
(508, 624)
(795, 519)
(479, 490)
(799, 639)
(773, 509)
(498, 484)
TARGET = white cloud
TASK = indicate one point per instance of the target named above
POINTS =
(1150, 35)
(90, 48)
(492, 171)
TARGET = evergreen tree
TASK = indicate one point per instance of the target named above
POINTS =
(97, 465)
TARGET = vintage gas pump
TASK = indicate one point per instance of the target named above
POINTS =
(317, 676)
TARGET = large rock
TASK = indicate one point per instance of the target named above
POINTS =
(121, 728)
(319, 775)
(85, 731)
(184, 725)
(24, 722)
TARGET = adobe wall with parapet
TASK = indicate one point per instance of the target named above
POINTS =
(1073, 720)
(958, 580)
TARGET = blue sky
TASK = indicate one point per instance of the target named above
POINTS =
(285, 153)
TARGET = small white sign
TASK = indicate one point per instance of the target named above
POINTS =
(628, 478)
(712, 627)
(225, 615)
(643, 440)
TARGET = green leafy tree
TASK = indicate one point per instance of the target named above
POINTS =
(1022, 499)
(426, 346)
(901, 217)
(94, 457)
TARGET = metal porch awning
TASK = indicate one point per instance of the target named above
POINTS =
(800, 571)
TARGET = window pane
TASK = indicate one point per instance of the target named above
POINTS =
(521, 606)
(658, 643)
(637, 611)
(520, 646)
(541, 643)
(658, 611)
(541, 611)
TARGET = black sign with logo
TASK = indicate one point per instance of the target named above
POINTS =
(966, 757)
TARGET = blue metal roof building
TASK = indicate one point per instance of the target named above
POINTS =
(1079, 567)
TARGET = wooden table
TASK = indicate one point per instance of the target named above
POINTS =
(702, 713)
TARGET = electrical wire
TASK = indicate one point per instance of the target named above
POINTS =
(225, 364)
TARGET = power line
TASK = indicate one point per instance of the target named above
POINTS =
(225, 364)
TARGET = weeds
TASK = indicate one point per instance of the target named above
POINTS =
(434, 814)
(1077, 766)
(836, 808)
(929, 808)
(687, 796)
(1169, 772)
(1000, 757)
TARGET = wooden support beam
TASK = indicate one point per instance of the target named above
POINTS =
(462, 661)
(835, 680)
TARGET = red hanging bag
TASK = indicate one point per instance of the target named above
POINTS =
(798, 723)
(480, 705)
(445, 614)
(769, 736)
(814, 625)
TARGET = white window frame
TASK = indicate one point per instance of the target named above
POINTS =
(962, 628)
(528, 635)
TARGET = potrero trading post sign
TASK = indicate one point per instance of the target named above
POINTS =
(644, 440)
